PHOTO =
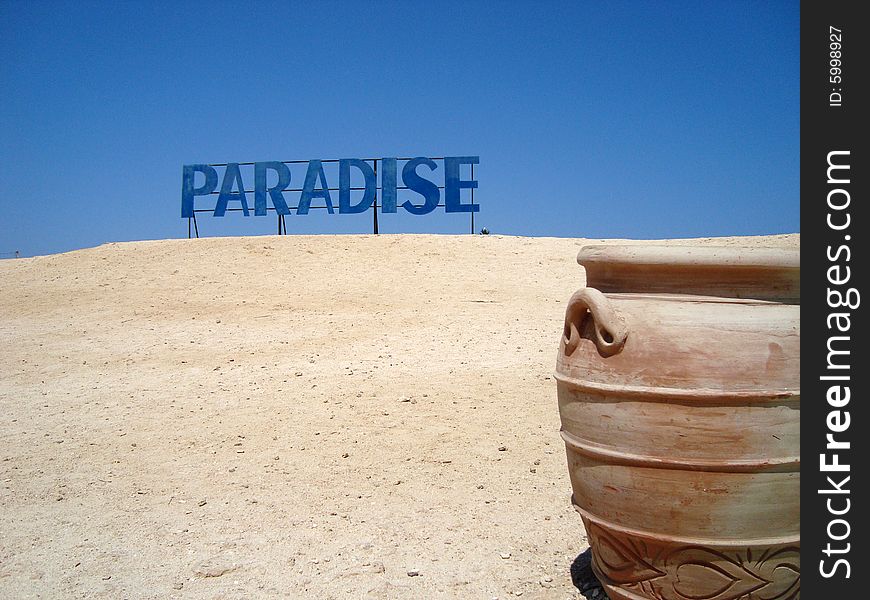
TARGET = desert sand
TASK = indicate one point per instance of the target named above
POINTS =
(294, 416)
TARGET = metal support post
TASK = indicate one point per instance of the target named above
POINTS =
(375, 202)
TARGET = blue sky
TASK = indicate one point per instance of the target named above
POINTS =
(591, 119)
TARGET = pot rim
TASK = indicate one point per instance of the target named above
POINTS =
(762, 273)
(696, 256)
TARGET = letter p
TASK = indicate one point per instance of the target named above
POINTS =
(188, 191)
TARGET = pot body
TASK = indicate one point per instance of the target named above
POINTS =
(681, 420)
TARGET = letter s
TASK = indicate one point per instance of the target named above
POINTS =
(422, 186)
(834, 568)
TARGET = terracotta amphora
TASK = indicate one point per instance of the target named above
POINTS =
(679, 392)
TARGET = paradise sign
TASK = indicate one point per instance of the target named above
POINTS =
(232, 187)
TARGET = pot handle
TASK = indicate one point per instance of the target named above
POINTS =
(610, 328)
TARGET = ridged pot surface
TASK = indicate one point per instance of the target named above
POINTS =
(678, 384)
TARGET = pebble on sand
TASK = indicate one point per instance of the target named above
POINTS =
(213, 567)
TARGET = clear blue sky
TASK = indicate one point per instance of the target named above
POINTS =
(593, 119)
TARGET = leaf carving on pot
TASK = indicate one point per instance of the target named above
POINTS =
(618, 559)
(701, 574)
(782, 567)
(660, 570)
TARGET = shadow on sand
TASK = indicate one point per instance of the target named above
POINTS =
(584, 578)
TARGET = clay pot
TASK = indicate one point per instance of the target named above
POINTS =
(679, 392)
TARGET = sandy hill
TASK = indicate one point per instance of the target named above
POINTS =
(291, 416)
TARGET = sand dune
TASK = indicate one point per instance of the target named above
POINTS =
(295, 416)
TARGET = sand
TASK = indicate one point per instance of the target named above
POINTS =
(295, 416)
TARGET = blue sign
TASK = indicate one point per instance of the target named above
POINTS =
(232, 187)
